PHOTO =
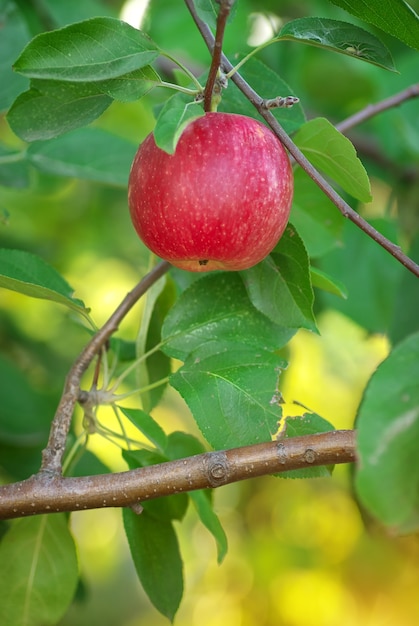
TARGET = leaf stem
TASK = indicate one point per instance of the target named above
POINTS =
(184, 69)
(224, 12)
(53, 453)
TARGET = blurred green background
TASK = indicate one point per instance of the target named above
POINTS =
(300, 552)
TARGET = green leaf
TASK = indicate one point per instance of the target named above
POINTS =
(29, 274)
(38, 571)
(52, 108)
(13, 168)
(307, 424)
(406, 301)
(280, 287)
(395, 17)
(25, 417)
(155, 552)
(176, 114)
(132, 86)
(340, 37)
(334, 154)
(96, 49)
(323, 281)
(147, 425)
(215, 313)
(387, 477)
(371, 301)
(209, 518)
(14, 35)
(232, 395)
(90, 154)
(268, 84)
(315, 216)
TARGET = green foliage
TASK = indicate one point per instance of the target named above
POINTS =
(220, 339)
(388, 429)
(38, 580)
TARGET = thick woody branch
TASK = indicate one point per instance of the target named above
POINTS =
(51, 493)
(299, 157)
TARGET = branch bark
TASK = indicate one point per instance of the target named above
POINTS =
(258, 102)
(51, 493)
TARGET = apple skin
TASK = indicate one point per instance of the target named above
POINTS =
(220, 202)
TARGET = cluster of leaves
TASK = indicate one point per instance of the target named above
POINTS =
(228, 330)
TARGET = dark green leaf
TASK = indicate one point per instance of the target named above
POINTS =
(370, 275)
(340, 37)
(14, 35)
(333, 153)
(232, 395)
(96, 49)
(307, 424)
(38, 571)
(29, 274)
(90, 154)
(315, 216)
(155, 552)
(322, 281)
(25, 415)
(215, 312)
(268, 84)
(387, 478)
(395, 17)
(178, 111)
(202, 502)
(51, 108)
(147, 425)
(280, 287)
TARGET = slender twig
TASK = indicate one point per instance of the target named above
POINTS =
(224, 11)
(45, 493)
(53, 454)
(299, 157)
(375, 109)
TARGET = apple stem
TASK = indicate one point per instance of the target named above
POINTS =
(211, 99)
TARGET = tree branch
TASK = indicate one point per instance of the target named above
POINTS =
(299, 157)
(53, 454)
(375, 109)
(51, 493)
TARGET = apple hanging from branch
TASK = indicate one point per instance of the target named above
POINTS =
(220, 202)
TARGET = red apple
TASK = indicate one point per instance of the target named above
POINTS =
(220, 202)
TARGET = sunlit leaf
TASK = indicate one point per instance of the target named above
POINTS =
(30, 275)
(333, 153)
(96, 49)
(339, 36)
(387, 478)
(38, 571)
(147, 425)
(232, 394)
(395, 17)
